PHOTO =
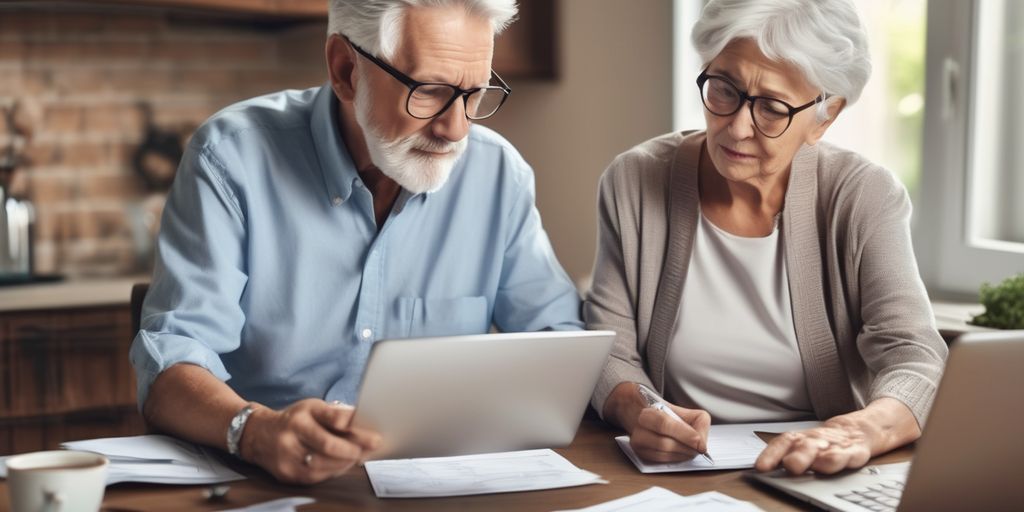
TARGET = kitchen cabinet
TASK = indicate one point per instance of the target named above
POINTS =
(65, 375)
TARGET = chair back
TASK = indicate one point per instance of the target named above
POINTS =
(138, 297)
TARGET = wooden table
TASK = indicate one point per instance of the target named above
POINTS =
(594, 450)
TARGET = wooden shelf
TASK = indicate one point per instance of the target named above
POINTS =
(297, 8)
(316, 9)
(526, 50)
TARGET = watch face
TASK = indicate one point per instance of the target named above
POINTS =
(235, 429)
(238, 421)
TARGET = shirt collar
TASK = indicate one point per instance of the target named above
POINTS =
(339, 171)
(335, 161)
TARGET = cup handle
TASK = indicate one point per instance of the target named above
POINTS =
(52, 501)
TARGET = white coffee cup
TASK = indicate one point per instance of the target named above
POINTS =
(57, 481)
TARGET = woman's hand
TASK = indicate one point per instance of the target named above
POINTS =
(658, 437)
(826, 449)
(653, 434)
(308, 442)
(844, 442)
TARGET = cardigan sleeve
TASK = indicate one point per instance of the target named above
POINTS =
(898, 340)
(611, 302)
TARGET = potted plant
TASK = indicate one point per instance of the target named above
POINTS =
(1004, 304)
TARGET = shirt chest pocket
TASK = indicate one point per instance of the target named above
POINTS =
(421, 317)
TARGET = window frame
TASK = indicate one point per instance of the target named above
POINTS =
(953, 263)
(687, 109)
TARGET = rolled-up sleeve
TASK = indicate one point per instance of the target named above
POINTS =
(899, 342)
(534, 292)
(191, 313)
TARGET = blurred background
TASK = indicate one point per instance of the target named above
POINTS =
(97, 98)
(105, 93)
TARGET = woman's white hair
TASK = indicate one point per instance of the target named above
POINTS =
(376, 25)
(824, 39)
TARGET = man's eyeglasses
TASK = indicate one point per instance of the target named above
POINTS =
(771, 116)
(428, 100)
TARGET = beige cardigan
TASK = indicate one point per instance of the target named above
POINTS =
(863, 321)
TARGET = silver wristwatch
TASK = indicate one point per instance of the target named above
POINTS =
(237, 426)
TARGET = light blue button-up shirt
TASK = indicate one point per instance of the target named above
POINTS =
(271, 272)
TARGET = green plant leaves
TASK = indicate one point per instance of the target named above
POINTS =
(1004, 304)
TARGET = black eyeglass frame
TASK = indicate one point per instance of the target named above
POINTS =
(746, 98)
(457, 92)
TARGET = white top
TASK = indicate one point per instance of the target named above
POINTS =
(733, 351)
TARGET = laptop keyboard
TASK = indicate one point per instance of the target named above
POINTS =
(878, 497)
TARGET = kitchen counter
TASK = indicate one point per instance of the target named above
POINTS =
(76, 293)
(64, 369)
(951, 317)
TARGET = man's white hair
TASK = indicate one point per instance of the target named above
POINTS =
(824, 39)
(376, 25)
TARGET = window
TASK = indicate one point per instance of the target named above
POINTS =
(892, 102)
(970, 225)
(996, 209)
(687, 110)
(945, 109)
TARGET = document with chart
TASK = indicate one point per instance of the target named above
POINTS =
(465, 475)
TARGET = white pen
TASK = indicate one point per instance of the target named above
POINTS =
(653, 400)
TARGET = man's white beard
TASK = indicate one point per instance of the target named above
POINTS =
(399, 159)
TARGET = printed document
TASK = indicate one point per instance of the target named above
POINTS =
(279, 505)
(156, 459)
(465, 475)
(659, 499)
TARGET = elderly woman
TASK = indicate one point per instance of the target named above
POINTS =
(755, 273)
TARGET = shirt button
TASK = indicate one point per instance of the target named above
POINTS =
(366, 333)
(336, 200)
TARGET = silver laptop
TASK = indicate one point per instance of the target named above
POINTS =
(476, 394)
(970, 455)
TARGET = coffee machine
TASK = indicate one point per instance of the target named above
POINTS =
(16, 221)
(17, 217)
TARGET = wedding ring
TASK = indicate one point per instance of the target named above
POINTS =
(308, 459)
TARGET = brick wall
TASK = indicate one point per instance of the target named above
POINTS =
(80, 75)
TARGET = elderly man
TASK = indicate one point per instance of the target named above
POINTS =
(305, 225)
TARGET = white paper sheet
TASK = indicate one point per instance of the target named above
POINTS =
(475, 474)
(281, 505)
(731, 446)
(148, 448)
(156, 459)
(659, 499)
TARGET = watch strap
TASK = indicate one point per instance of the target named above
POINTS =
(237, 426)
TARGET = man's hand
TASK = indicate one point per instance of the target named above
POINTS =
(308, 442)
(654, 435)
